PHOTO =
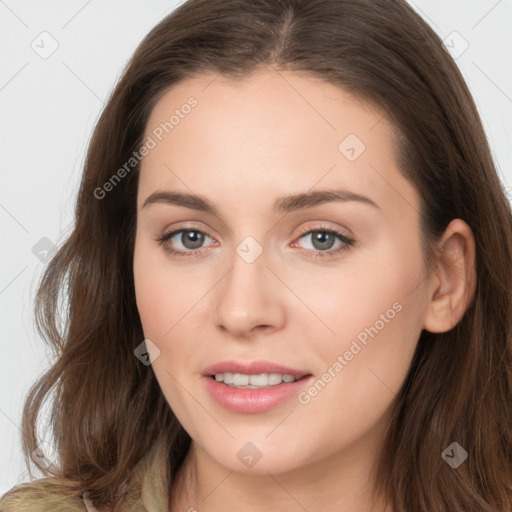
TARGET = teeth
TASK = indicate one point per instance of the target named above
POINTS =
(274, 379)
(262, 380)
(240, 380)
(259, 380)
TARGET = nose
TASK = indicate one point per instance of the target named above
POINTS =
(249, 298)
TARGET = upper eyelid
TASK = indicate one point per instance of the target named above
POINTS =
(191, 225)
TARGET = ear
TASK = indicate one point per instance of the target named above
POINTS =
(452, 284)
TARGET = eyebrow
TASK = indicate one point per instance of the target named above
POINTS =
(284, 204)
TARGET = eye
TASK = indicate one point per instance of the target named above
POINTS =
(323, 239)
(192, 239)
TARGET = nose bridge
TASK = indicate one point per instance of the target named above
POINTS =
(247, 297)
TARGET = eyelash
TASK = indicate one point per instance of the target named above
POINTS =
(347, 240)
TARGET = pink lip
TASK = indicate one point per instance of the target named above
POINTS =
(252, 368)
(253, 400)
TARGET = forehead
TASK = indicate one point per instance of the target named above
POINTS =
(270, 134)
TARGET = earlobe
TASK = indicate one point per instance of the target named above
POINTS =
(453, 281)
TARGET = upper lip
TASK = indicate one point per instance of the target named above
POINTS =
(252, 368)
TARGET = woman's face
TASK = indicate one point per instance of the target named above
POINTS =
(261, 284)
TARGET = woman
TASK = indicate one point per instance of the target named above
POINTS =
(367, 370)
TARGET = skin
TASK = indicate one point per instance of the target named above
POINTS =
(244, 145)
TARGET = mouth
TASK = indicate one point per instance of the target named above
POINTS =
(254, 387)
(254, 375)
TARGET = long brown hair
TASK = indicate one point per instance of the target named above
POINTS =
(108, 410)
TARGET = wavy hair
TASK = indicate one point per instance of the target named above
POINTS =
(109, 417)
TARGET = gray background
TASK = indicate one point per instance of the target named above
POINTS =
(50, 103)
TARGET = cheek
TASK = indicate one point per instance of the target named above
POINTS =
(363, 367)
(369, 315)
(339, 304)
(162, 306)
(170, 301)
(349, 295)
(155, 296)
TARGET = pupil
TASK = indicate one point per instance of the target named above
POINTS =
(321, 236)
(194, 237)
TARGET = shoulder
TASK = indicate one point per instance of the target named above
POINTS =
(44, 495)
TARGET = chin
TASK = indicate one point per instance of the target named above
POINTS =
(247, 460)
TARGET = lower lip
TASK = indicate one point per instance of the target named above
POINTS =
(253, 400)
